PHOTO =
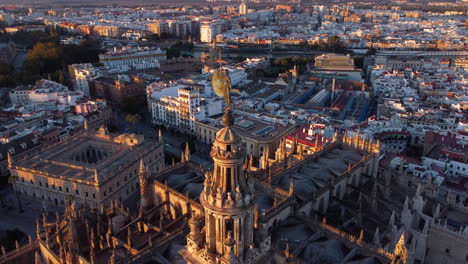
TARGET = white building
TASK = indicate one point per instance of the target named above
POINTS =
(238, 75)
(179, 106)
(243, 8)
(209, 29)
(132, 56)
(20, 95)
(180, 28)
(44, 91)
(207, 32)
(82, 75)
(178, 111)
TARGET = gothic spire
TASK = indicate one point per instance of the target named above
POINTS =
(145, 193)
(96, 176)
(437, 211)
(129, 237)
(187, 152)
(405, 205)
(401, 251)
(418, 191)
(291, 187)
(142, 166)
(10, 159)
(160, 136)
(376, 239)
(246, 163)
(38, 229)
(374, 189)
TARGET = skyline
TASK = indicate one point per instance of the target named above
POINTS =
(234, 133)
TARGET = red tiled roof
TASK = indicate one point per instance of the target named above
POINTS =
(304, 137)
(461, 185)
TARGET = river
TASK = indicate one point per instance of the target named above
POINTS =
(228, 56)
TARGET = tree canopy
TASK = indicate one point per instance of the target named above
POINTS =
(52, 59)
(175, 50)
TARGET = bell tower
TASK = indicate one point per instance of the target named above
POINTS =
(228, 202)
(228, 196)
(227, 199)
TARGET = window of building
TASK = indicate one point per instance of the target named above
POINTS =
(66, 189)
(40, 184)
(53, 186)
(94, 196)
(86, 193)
(47, 185)
(60, 188)
(22, 179)
(76, 191)
(104, 194)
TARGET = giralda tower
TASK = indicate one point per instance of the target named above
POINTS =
(228, 201)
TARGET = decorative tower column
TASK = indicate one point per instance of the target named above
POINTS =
(227, 198)
(145, 192)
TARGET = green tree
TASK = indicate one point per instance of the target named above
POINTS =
(131, 105)
(3, 24)
(132, 119)
(43, 58)
(58, 76)
(12, 180)
(6, 68)
(334, 40)
(7, 81)
(2, 199)
(175, 50)
(69, 198)
(50, 58)
(152, 37)
(6, 75)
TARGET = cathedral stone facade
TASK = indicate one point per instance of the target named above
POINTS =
(331, 206)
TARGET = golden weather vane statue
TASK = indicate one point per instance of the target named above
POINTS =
(222, 86)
